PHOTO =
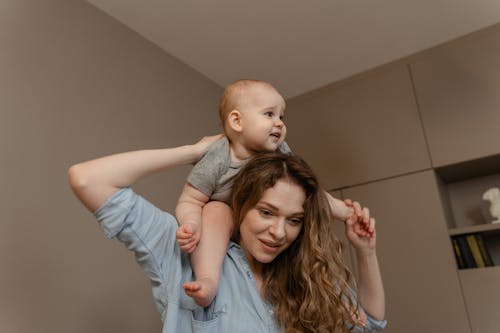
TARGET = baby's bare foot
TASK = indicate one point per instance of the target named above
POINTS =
(202, 290)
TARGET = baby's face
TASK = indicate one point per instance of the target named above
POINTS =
(262, 113)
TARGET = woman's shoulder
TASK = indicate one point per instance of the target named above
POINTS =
(125, 208)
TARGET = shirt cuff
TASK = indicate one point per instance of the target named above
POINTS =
(113, 212)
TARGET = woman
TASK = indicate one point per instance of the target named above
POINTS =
(283, 273)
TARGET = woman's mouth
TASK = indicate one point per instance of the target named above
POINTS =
(270, 247)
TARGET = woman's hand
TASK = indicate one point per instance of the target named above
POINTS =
(205, 142)
(360, 227)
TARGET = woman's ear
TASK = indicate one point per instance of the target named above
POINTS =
(234, 120)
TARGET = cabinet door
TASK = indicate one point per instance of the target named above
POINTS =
(457, 87)
(482, 294)
(422, 287)
(372, 117)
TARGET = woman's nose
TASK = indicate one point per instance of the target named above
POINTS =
(277, 229)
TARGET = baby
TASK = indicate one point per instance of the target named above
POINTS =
(252, 115)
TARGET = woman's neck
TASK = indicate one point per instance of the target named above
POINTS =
(257, 270)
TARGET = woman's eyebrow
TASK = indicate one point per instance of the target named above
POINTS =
(272, 207)
(268, 205)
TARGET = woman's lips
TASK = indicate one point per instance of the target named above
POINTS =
(270, 247)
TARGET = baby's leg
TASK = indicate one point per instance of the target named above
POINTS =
(208, 256)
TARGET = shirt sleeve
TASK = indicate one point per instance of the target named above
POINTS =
(372, 324)
(285, 148)
(148, 232)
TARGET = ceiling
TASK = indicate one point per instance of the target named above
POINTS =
(298, 45)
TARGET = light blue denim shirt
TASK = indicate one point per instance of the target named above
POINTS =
(150, 233)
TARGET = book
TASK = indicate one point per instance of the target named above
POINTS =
(474, 248)
(458, 254)
(466, 252)
(484, 251)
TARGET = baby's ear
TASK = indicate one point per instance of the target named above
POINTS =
(234, 120)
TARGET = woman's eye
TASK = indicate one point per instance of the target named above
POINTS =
(265, 212)
(296, 221)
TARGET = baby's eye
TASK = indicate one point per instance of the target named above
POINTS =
(282, 117)
(269, 114)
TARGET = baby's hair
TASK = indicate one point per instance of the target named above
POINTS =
(233, 93)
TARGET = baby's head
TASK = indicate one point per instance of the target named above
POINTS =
(251, 113)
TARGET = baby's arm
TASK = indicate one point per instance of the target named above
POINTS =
(188, 213)
(343, 210)
(339, 208)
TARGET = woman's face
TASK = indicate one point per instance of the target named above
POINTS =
(273, 224)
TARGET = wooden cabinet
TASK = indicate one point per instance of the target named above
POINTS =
(457, 88)
(361, 129)
(482, 295)
(468, 221)
(468, 214)
(422, 287)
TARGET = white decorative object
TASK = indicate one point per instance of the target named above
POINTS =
(493, 196)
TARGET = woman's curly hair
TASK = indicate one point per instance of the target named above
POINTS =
(308, 284)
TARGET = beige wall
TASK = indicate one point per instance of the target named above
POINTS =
(76, 84)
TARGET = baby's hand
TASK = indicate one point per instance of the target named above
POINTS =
(188, 236)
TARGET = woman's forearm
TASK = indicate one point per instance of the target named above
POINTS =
(95, 180)
(370, 286)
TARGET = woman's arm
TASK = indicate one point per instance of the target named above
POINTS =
(96, 180)
(361, 232)
(370, 288)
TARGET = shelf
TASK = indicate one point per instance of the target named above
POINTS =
(469, 169)
(478, 270)
(462, 186)
(463, 200)
(493, 227)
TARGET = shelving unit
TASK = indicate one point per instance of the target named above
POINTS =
(462, 186)
(482, 228)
